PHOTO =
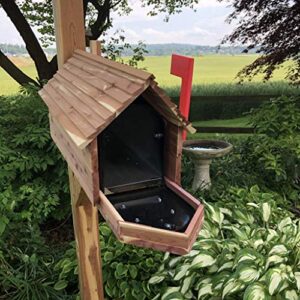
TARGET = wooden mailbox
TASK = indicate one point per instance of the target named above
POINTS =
(121, 136)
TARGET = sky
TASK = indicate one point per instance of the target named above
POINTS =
(205, 27)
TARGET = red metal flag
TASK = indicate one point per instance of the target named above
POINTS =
(183, 67)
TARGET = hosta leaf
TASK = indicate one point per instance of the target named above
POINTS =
(247, 274)
(279, 250)
(266, 211)
(239, 233)
(182, 272)
(297, 277)
(205, 290)
(284, 223)
(231, 286)
(256, 291)
(202, 260)
(225, 266)
(187, 282)
(274, 281)
(291, 295)
(172, 293)
(156, 279)
(274, 260)
(174, 261)
(246, 255)
(60, 285)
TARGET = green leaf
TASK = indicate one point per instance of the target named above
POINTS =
(279, 250)
(247, 274)
(60, 285)
(186, 284)
(297, 277)
(172, 293)
(133, 271)
(182, 272)
(156, 279)
(266, 211)
(231, 286)
(291, 295)
(274, 281)
(205, 290)
(202, 260)
(284, 223)
(256, 291)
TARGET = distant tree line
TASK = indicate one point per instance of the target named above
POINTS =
(152, 50)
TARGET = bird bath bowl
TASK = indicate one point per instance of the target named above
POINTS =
(202, 152)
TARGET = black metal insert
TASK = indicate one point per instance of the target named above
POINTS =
(157, 207)
(131, 149)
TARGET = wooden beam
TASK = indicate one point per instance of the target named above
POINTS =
(95, 47)
(70, 35)
(69, 28)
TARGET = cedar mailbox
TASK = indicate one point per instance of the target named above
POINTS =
(121, 136)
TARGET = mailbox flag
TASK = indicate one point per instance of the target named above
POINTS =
(183, 67)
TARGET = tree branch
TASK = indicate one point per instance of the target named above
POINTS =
(13, 71)
(33, 47)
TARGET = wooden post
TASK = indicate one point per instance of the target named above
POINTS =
(95, 47)
(70, 35)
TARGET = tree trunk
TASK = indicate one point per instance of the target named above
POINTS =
(14, 71)
(33, 46)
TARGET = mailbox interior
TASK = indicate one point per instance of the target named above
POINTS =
(131, 170)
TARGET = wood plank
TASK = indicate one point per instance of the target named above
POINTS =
(112, 64)
(86, 222)
(93, 151)
(89, 114)
(191, 200)
(80, 84)
(95, 47)
(91, 79)
(99, 110)
(195, 224)
(152, 234)
(70, 35)
(112, 71)
(119, 95)
(110, 214)
(76, 160)
(233, 130)
(69, 28)
(70, 111)
(173, 152)
(156, 246)
(122, 83)
(54, 109)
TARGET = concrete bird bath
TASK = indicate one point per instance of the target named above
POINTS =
(202, 152)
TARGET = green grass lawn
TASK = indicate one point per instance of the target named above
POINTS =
(237, 122)
(207, 69)
(212, 74)
(7, 85)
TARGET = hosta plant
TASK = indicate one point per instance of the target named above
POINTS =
(249, 252)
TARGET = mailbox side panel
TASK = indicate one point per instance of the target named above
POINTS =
(83, 162)
(173, 152)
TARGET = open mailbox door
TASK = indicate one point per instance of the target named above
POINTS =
(151, 210)
(122, 137)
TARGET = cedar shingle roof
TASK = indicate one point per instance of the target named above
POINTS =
(89, 91)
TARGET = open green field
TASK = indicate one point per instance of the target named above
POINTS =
(215, 70)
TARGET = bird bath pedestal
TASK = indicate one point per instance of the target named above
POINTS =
(202, 152)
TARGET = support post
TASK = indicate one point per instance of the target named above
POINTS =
(70, 35)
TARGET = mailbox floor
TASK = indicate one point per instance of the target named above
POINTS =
(156, 207)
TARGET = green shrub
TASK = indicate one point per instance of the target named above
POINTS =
(274, 151)
(249, 252)
(126, 269)
(33, 181)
